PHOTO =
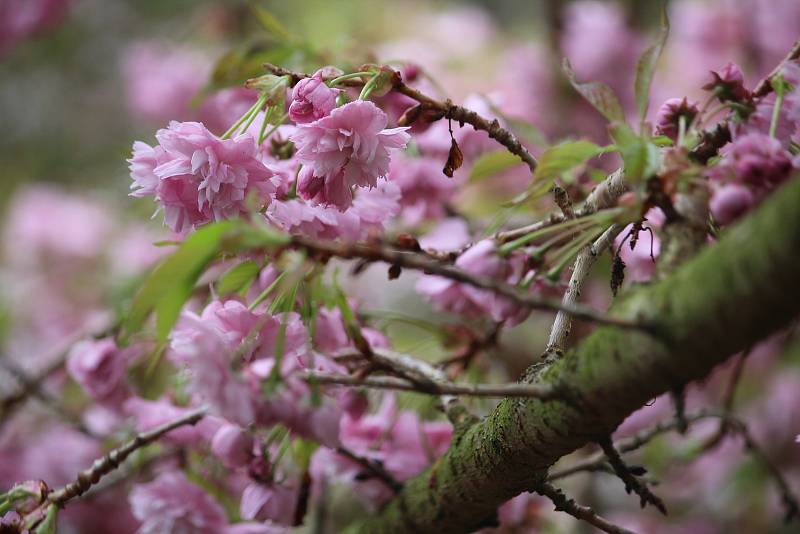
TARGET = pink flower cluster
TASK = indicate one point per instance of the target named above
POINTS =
(196, 177)
(348, 148)
(751, 166)
(398, 440)
(368, 215)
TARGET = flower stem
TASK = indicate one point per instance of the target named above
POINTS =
(264, 136)
(252, 112)
(368, 88)
(776, 111)
(346, 77)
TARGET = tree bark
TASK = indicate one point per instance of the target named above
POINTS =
(731, 295)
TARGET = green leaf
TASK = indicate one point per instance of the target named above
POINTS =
(647, 66)
(492, 163)
(168, 286)
(564, 157)
(237, 278)
(640, 155)
(246, 61)
(598, 94)
(270, 23)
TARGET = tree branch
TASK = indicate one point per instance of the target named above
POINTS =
(102, 466)
(420, 262)
(629, 478)
(497, 391)
(701, 323)
(580, 272)
(373, 468)
(565, 504)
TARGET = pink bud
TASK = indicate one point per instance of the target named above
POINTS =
(232, 445)
(312, 99)
(728, 84)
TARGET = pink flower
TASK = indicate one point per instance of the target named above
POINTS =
(755, 160)
(424, 188)
(171, 503)
(223, 108)
(162, 78)
(482, 260)
(368, 215)
(449, 235)
(149, 414)
(730, 202)
(50, 227)
(276, 502)
(348, 148)
(98, 366)
(197, 177)
(312, 99)
(403, 443)
(728, 84)
(204, 347)
(668, 118)
(232, 445)
(20, 20)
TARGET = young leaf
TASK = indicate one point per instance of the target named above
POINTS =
(646, 67)
(237, 277)
(270, 23)
(640, 155)
(598, 94)
(564, 157)
(169, 285)
(492, 163)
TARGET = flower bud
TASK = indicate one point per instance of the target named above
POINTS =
(728, 84)
(670, 113)
(312, 99)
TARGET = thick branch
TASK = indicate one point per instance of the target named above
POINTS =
(728, 297)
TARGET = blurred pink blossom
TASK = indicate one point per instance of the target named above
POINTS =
(161, 79)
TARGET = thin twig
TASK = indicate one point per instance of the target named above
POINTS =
(603, 196)
(764, 87)
(632, 483)
(102, 466)
(33, 387)
(373, 468)
(586, 259)
(420, 262)
(537, 391)
(584, 513)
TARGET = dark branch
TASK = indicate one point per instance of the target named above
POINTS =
(584, 513)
